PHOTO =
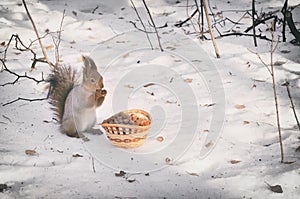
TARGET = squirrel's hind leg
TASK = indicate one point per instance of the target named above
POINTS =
(68, 127)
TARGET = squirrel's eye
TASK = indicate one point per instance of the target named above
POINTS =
(92, 81)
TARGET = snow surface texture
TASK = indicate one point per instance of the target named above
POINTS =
(216, 116)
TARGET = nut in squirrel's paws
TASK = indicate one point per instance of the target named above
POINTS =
(100, 93)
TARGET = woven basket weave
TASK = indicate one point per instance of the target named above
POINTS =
(128, 135)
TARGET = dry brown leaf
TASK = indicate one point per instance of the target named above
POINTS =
(120, 174)
(279, 63)
(188, 80)
(205, 131)
(30, 152)
(209, 144)
(77, 155)
(246, 122)
(234, 161)
(160, 138)
(49, 47)
(240, 106)
(276, 188)
(129, 86)
(193, 174)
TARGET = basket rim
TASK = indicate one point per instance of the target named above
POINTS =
(125, 126)
(130, 126)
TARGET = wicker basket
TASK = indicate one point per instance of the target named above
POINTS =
(128, 135)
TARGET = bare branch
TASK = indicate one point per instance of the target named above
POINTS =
(262, 61)
(25, 99)
(145, 30)
(18, 77)
(37, 35)
(286, 84)
(152, 21)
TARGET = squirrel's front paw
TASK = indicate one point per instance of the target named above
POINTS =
(103, 92)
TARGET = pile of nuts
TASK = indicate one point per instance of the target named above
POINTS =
(128, 119)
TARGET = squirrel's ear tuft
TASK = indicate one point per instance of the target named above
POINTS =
(89, 63)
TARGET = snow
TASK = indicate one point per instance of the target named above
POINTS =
(217, 116)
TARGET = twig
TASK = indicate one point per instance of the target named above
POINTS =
(93, 164)
(275, 93)
(37, 35)
(178, 25)
(257, 22)
(283, 11)
(25, 99)
(262, 61)
(135, 26)
(244, 34)
(145, 30)
(152, 21)
(253, 22)
(291, 24)
(94, 10)
(57, 42)
(18, 76)
(210, 29)
(286, 84)
(191, 19)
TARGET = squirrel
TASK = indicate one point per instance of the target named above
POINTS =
(74, 104)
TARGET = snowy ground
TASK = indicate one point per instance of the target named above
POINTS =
(232, 155)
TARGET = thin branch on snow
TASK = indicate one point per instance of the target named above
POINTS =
(58, 40)
(253, 22)
(145, 30)
(153, 24)
(18, 77)
(245, 34)
(135, 26)
(286, 84)
(262, 61)
(272, 50)
(37, 35)
(25, 99)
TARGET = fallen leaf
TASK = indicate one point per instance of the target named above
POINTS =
(276, 188)
(77, 155)
(193, 174)
(160, 138)
(74, 13)
(49, 47)
(129, 86)
(285, 51)
(234, 161)
(2, 43)
(30, 152)
(209, 144)
(246, 122)
(207, 105)
(73, 42)
(188, 80)
(89, 28)
(279, 63)
(205, 131)
(289, 162)
(130, 180)
(240, 106)
(120, 174)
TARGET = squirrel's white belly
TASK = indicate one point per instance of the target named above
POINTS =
(87, 119)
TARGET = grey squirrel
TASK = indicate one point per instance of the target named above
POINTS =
(75, 104)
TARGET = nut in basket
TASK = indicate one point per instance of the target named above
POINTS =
(127, 129)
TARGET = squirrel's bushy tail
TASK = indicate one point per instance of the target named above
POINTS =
(61, 81)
